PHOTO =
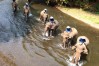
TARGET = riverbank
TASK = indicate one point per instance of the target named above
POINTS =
(86, 17)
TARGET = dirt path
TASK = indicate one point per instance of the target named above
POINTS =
(78, 15)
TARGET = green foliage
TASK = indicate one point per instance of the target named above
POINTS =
(96, 7)
(92, 7)
(85, 4)
(78, 3)
(81, 3)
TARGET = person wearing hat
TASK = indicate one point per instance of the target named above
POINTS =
(14, 5)
(68, 29)
(49, 25)
(79, 48)
(68, 36)
(26, 9)
(44, 15)
(54, 25)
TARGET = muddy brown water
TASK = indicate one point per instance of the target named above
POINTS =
(21, 42)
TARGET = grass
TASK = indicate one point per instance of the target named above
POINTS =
(84, 15)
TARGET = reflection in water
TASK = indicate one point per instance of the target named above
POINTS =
(22, 44)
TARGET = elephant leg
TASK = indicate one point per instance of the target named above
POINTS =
(52, 32)
(73, 60)
(45, 30)
(49, 31)
(73, 41)
(76, 58)
(55, 30)
(15, 9)
(76, 61)
(64, 43)
(44, 21)
(41, 17)
(69, 42)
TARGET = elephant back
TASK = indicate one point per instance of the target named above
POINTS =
(55, 25)
(74, 32)
(42, 13)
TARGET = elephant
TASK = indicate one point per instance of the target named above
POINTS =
(44, 16)
(15, 6)
(69, 37)
(78, 53)
(54, 27)
(51, 28)
(80, 48)
(26, 12)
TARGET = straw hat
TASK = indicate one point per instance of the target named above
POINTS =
(83, 37)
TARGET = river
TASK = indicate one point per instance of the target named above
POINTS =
(21, 42)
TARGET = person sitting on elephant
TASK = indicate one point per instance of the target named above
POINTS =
(68, 35)
(52, 22)
(44, 16)
(84, 37)
(14, 5)
(26, 9)
(80, 47)
(49, 25)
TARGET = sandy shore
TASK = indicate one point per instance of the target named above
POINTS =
(76, 15)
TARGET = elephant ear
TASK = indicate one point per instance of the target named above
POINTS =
(57, 23)
(74, 31)
(87, 40)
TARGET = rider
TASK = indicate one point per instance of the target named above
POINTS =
(52, 23)
(51, 19)
(68, 29)
(66, 36)
(79, 48)
(45, 10)
(48, 26)
(14, 5)
(26, 9)
(42, 13)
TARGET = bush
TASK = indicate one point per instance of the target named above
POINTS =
(93, 7)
